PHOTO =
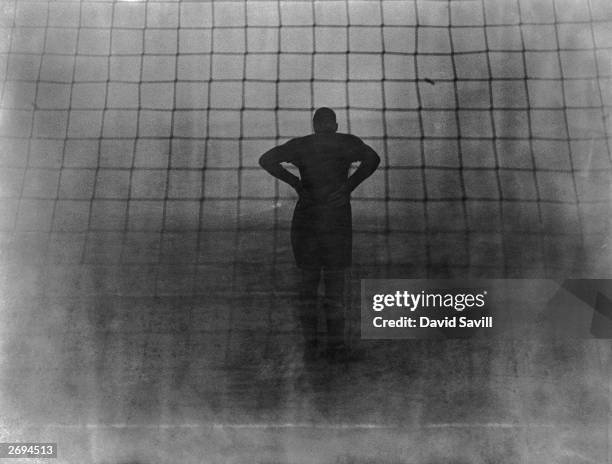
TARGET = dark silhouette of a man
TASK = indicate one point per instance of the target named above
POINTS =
(321, 229)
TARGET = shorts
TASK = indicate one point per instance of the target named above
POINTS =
(322, 236)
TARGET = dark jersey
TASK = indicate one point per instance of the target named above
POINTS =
(321, 230)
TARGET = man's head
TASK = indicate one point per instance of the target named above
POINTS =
(324, 120)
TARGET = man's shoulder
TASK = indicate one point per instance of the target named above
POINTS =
(302, 139)
(337, 139)
(298, 142)
(349, 139)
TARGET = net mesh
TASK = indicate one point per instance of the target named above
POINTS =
(131, 132)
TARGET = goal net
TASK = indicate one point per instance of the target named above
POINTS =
(131, 130)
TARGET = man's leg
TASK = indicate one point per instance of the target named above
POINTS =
(308, 309)
(334, 307)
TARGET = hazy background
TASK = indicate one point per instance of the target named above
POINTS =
(131, 130)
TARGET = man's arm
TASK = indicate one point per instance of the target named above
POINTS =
(271, 162)
(369, 162)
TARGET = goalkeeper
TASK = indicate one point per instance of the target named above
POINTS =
(321, 229)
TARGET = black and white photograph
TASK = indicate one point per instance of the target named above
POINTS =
(306, 231)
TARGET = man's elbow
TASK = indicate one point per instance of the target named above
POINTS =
(265, 161)
(374, 159)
